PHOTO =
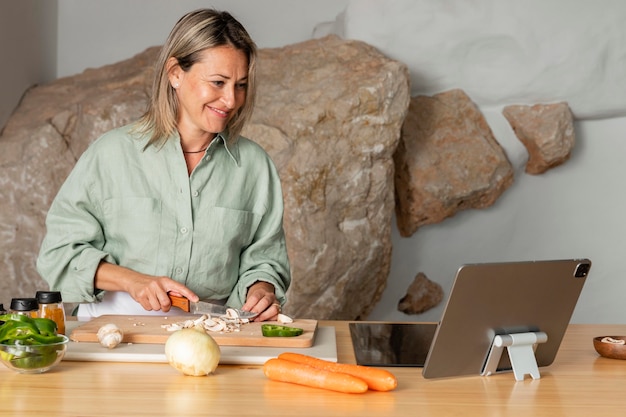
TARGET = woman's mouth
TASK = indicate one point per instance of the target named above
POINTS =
(220, 113)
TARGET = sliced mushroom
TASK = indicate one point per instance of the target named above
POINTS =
(216, 326)
(608, 339)
(231, 313)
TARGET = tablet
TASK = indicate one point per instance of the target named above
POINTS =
(494, 299)
(391, 344)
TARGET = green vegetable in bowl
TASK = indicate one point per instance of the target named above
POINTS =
(29, 343)
(38, 357)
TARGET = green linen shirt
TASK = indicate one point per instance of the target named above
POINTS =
(218, 230)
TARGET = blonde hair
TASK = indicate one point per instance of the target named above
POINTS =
(193, 33)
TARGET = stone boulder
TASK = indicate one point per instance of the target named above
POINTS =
(447, 160)
(547, 132)
(329, 112)
(422, 295)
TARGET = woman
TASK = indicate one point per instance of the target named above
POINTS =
(178, 202)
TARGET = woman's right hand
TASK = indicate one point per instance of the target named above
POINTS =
(149, 291)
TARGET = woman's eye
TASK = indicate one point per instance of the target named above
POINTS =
(218, 83)
(242, 86)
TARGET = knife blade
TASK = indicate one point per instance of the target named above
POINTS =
(203, 307)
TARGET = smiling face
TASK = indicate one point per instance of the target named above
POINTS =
(210, 93)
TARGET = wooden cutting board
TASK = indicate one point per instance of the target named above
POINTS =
(148, 329)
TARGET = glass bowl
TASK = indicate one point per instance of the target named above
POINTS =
(33, 359)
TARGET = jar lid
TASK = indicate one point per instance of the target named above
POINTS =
(24, 304)
(48, 297)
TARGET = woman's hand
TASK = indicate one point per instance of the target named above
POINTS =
(147, 290)
(152, 292)
(261, 299)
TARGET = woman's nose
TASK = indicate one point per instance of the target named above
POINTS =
(228, 97)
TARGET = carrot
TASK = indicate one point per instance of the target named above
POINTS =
(287, 371)
(377, 379)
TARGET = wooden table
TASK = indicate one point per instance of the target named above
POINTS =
(579, 383)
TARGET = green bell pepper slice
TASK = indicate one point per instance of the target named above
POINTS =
(10, 330)
(16, 317)
(18, 328)
(46, 326)
(275, 330)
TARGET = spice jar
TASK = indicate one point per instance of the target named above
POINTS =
(27, 306)
(2, 310)
(51, 307)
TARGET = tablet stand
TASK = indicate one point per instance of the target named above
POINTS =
(520, 347)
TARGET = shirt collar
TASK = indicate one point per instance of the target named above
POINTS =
(231, 146)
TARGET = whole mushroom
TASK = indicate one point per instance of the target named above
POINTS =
(110, 335)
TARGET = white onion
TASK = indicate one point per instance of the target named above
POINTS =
(192, 351)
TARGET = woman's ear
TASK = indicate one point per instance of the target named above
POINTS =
(174, 72)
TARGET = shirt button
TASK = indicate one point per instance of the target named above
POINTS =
(179, 270)
(195, 193)
(183, 230)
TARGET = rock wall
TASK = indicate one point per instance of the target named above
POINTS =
(348, 140)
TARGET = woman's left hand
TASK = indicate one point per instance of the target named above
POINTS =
(261, 299)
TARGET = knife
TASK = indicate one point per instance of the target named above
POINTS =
(203, 307)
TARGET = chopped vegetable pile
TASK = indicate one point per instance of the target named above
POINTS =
(231, 322)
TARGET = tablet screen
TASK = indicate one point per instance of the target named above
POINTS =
(391, 344)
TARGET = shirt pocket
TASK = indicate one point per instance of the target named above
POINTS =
(230, 228)
(132, 229)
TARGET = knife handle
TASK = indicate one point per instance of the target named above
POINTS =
(180, 302)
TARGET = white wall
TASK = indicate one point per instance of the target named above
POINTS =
(571, 211)
(124, 28)
(28, 47)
